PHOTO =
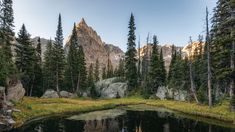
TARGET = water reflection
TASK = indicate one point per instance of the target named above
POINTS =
(131, 121)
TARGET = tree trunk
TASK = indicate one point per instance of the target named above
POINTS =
(57, 81)
(232, 52)
(192, 83)
(78, 83)
(31, 90)
(208, 61)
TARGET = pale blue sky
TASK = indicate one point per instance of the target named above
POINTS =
(173, 21)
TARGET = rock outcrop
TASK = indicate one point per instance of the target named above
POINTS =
(165, 93)
(111, 88)
(50, 93)
(65, 94)
(167, 51)
(94, 48)
(15, 90)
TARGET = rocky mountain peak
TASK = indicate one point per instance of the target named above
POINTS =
(94, 47)
(82, 23)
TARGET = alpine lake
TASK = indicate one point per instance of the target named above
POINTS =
(134, 118)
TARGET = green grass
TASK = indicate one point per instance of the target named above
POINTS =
(36, 107)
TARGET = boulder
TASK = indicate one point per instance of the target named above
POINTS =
(50, 93)
(65, 94)
(165, 93)
(15, 91)
(111, 88)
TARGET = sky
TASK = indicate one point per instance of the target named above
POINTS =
(173, 21)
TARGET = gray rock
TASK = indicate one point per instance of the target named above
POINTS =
(15, 92)
(110, 88)
(50, 93)
(165, 93)
(65, 94)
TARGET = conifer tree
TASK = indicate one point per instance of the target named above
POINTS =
(38, 83)
(90, 78)
(130, 60)
(7, 36)
(163, 69)
(110, 68)
(121, 68)
(97, 72)
(155, 78)
(82, 77)
(58, 56)
(25, 59)
(48, 71)
(73, 60)
(104, 73)
(173, 58)
(222, 45)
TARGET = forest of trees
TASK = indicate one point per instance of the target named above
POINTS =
(207, 74)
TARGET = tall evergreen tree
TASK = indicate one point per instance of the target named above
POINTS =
(38, 83)
(173, 58)
(163, 69)
(82, 77)
(48, 71)
(130, 60)
(25, 59)
(155, 72)
(222, 46)
(90, 78)
(104, 76)
(59, 56)
(109, 68)
(73, 60)
(121, 68)
(7, 36)
(97, 72)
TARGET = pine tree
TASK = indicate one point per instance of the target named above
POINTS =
(121, 68)
(97, 72)
(155, 72)
(104, 76)
(173, 58)
(6, 37)
(38, 83)
(90, 78)
(25, 59)
(48, 71)
(91, 84)
(222, 45)
(4, 70)
(82, 77)
(130, 60)
(110, 68)
(58, 56)
(73, 60)
(163, 69)
(7, 20)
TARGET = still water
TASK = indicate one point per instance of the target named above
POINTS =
(122, 121)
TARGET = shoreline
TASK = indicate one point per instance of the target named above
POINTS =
(36, 108)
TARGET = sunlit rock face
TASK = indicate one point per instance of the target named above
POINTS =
(94, 48)
(188, 50)
(110, 88)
